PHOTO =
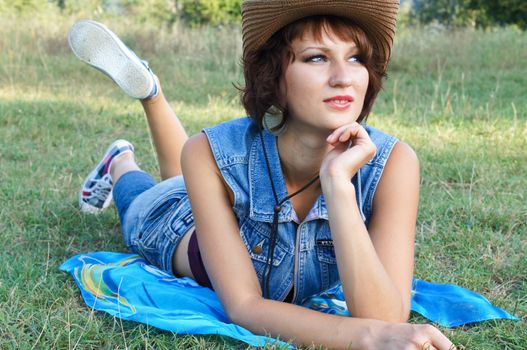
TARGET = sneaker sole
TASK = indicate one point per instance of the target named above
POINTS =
(88, 208)
(99, 47)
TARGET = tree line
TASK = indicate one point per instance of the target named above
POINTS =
(450, 13)
(476, 13)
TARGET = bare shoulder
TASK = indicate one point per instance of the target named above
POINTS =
(403, 157)
(198, 163)
(400, 177)
(197, 156)
(196, 145)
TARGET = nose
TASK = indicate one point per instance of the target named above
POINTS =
(341, 74)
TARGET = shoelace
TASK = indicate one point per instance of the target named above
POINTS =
(102, 189)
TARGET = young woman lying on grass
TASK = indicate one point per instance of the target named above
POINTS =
(278, 206)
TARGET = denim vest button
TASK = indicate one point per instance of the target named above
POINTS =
(257, 249)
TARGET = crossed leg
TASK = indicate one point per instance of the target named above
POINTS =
(99, 47)
(168, 135)
(167, 132)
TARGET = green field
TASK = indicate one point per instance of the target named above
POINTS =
(458, 97)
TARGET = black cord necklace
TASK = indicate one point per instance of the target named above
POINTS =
(274, 226)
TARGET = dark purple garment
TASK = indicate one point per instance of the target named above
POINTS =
(196, 264)
(198, 269)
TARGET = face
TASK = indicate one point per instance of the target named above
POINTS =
(325, 85)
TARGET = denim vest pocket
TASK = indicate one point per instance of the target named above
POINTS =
(325, 251)
(255, 236)
(327, 262)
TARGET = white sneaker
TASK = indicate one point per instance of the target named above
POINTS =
(96, 191)
(98, 46)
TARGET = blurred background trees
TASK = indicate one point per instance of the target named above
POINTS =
(474, 13)
(449, 13)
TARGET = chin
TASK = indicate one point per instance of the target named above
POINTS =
(341, 120)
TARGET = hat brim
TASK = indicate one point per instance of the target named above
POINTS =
(263, 18)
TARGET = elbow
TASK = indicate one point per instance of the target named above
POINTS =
(398, 318)
(406, 313)
(399, 313)
(395, 318)
(237, 315)
(402, 315)
(242, 312)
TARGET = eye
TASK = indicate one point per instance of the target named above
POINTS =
(356, 58)
(315, 59)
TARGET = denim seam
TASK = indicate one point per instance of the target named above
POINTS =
(379, 169)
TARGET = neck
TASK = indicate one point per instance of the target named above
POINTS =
(301, 156)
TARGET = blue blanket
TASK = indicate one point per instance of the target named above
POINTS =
(126, 286)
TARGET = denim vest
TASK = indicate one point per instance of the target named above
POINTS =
(304, 256)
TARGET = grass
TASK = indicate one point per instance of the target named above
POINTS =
(458, 97)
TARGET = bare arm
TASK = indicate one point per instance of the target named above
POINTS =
(375, 263)
(230, 269)
(392, 226)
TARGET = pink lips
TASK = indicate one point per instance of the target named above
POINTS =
(340, 103)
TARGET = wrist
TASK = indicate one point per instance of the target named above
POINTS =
(364, 334)
(336, 184)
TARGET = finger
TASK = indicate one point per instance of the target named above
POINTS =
(428, 346)
(342, 128)
(440, 341)
(334, 136)
(339, 134)
(346, 134)
(356, 134)
(361, 133)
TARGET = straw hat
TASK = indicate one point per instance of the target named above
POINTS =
(263, 18)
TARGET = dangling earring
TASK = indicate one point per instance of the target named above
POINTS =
(272, 119)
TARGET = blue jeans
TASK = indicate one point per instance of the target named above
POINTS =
(154, 217)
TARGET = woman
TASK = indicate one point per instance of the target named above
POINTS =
(289, 201)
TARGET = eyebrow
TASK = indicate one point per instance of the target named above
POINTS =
(323, 48)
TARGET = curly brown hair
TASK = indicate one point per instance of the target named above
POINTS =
(264, 68)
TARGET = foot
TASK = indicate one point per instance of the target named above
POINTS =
(99, 47)
(96, 191)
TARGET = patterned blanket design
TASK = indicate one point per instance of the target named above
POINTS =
(126, 286)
